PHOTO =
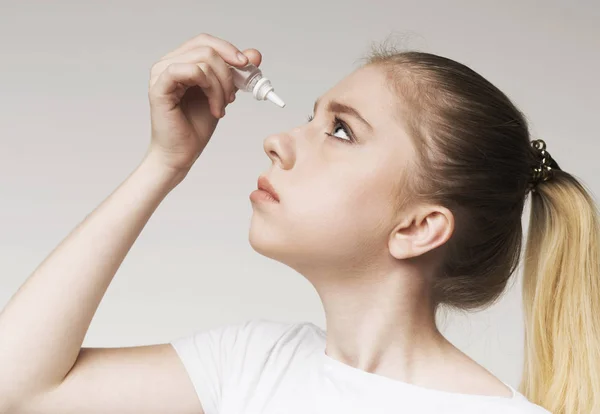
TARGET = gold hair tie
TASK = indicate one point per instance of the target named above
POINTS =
(544, 170)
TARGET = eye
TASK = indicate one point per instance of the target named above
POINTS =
(338, 127)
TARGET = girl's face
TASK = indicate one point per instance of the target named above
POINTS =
(337, 176)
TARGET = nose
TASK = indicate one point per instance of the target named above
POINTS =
(280, 149)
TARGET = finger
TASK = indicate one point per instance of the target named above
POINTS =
(214, 93)
(169, 82)
(254, 56)
(228, 51)
(211, 57)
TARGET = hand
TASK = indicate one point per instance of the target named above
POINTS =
(189, 89)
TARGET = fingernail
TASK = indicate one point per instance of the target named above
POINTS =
(241, 57)
(222, 112)
(232, 98)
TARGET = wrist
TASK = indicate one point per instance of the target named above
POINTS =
(163, 173)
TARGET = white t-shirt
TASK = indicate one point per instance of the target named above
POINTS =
(268, 367)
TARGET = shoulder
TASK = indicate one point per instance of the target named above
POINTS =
(263, 351)
(253, 336)
(276, 327)
(250, 343)
(283, 328)
(268, 334)
(233, 358)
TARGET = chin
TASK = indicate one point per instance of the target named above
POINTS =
(296, 256)
(263, 240)
(268, 241)
(296, 245)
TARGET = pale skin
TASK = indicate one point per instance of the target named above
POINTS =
(368, 263)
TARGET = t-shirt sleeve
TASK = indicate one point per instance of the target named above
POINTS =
(211, 357)
(205, 356)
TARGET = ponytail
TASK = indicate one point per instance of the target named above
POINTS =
(561, 297)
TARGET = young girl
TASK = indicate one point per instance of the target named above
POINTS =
(403, 192)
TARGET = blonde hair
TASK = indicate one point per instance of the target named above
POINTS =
(561, 295)
(475, 158)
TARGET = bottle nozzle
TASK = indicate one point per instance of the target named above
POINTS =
(272, 96)
(250, 79)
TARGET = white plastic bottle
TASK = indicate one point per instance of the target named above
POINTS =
(250, 79)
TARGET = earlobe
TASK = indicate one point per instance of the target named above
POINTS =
(421, 234)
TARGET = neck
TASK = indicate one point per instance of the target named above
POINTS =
(382, 323)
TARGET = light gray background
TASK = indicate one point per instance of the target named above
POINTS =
(74, 122)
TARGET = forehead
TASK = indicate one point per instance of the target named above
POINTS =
(372, 94)
(368, 90)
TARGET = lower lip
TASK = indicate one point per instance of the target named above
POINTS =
(260, 195)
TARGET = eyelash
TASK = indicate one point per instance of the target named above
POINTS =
(338, 121)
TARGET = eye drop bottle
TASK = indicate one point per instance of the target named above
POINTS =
(250, 79)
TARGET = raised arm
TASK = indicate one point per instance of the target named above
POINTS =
(42, 366)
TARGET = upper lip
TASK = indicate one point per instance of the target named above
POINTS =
(265, 185)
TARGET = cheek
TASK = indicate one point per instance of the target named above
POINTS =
(344, 213)
(331, 220)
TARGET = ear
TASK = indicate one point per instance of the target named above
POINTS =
(420, 232)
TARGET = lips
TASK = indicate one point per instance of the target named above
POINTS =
(265, 185)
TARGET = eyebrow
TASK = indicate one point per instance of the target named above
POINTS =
(341, 108)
